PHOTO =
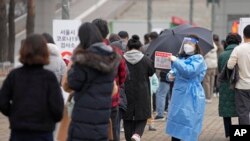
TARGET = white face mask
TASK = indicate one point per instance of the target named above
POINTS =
(188, 49)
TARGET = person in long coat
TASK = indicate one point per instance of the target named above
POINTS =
(187, 106)
(137, 90)
(31, 96)
(226, 99)
(91, 77)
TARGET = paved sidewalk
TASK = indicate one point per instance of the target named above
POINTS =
(212, 127)
(4, 128)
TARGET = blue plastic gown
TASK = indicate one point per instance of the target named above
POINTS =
(187, 106)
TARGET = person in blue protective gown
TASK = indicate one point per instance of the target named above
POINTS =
(187, 106)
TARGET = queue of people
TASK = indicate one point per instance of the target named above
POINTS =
(111, 80)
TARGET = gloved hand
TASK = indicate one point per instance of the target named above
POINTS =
(171, 77)
(172, 58)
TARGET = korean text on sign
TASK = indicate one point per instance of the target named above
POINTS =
(65, 33)
(162, 61)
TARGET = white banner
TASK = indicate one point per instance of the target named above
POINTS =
(65, 34)
(242, 24)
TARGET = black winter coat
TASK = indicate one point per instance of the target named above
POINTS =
(91, 77)
(31, 98)
(137, 89)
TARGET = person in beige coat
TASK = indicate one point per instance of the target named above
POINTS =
(208, 82)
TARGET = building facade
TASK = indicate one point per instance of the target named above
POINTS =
(227, 12)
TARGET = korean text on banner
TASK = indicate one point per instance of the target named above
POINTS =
(65, 34)
(162, 61)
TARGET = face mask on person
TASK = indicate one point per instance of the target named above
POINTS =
(189, 49)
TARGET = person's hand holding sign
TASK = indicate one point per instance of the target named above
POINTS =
(170, 75)
(172, 58)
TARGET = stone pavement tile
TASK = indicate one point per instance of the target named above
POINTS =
(158, 135)
(4, 128)
(213, 129)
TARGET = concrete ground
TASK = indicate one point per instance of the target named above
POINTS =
(213, 129)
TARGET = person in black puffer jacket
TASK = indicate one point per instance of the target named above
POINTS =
(91, 77)
(31, 96)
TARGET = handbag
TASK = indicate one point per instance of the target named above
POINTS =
(70, 104)
(229, 75)
(110, 130)
(234, 76)
(224, 74)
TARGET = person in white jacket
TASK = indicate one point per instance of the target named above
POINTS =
(208, 82)
(241, 57)
(56, 65)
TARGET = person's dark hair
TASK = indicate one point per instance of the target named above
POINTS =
(48, 38)
(34, 51)
(146, 38)
(102, 25)
(197, 48)
(88, 35)
(114, 37)
(123, 34)
(153, 35)
(216, 38)
(134, 43)
(233, 38)
(246, 31)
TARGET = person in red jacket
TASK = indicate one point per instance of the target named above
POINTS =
(118, 43)
(102, 25)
